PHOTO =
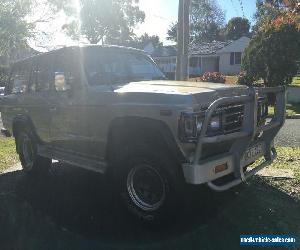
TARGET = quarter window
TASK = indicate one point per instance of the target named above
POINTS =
(20, 81)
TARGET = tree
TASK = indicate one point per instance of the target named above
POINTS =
(206, 21)
(236, 28)
(271, 9)
(274, 49)
(14, 29)
(142, 41)
(19, 20)
(172, 32)
(108, 21)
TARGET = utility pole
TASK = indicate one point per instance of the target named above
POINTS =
(183, 37)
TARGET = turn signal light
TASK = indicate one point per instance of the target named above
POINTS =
(221, 168)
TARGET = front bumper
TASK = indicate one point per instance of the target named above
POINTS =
(200, 171)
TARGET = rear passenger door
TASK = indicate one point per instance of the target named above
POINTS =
(37, 98)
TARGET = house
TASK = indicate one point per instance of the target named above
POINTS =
(217, 56)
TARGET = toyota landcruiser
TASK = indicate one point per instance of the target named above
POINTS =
(111, 110)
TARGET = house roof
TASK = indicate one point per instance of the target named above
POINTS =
(204, 48)
(165, 51)
(207, 48)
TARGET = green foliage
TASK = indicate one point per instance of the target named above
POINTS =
(172, 32)
(109, 21)
(142, 41)
(14, 28)
(236, 28)
(8, 155)
(207, 20)
(19, 19)
(265, 9)
(272, 55)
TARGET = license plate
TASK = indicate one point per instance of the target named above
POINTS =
(253, 153)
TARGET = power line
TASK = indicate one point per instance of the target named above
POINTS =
(242, 7)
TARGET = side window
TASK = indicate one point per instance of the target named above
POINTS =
(106, 68)
(42, 76)
(19, 80)
(65, 73)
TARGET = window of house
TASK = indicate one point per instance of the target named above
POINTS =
(235, 58)
(194, 62)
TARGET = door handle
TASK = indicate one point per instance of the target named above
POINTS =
(53, 109)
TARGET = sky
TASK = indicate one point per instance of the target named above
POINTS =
(160, 14)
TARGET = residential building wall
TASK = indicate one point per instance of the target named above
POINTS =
(225, 66)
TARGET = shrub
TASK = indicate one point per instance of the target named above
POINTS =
(215, 77)
(273, 52)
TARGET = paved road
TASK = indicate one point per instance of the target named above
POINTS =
(288, 136)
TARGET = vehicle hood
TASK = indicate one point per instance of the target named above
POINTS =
(178, 87)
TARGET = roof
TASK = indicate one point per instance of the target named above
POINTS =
(210, 48)
(90, 46)
(207, 48)
(165, 51)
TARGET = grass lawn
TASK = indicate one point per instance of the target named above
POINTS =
(72, 209)
(8, 155)
(296, 81)
(291, 109)
(288, 159)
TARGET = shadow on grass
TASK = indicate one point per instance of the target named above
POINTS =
(74, 209)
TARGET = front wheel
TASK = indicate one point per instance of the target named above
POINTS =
(149, 184)
(27, 148)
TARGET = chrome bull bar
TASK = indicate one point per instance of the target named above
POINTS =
(244, 138)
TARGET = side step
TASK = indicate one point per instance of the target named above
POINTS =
(96, 165)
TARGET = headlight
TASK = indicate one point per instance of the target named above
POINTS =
(215, 123)
(190, 126)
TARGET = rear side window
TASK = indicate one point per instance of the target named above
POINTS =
(42, 77)
(19, 79)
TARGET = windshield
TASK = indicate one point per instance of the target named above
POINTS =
(119, 68)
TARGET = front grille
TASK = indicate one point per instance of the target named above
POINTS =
(231, 117)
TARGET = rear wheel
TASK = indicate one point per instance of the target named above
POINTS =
(27, 148)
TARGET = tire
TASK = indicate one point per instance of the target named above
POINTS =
(31, 162)
(149, 184)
